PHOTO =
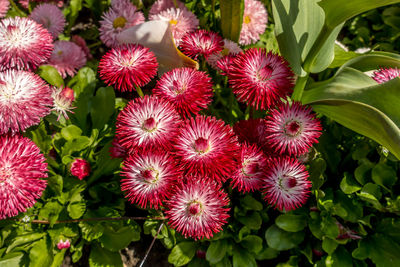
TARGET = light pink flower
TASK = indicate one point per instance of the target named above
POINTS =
(162, 5)
(255, 19)
(4, 5)
(67, 58)
(230, 48)
(63, 244)
(386, 74)
(80, 168)
(50, 17)
(63, 98)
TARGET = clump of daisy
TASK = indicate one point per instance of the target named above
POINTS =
(255, 19)
(50, 17)
(208, 148)
(230, 48)
(147, 122)
(285, 184)
(122, 15)
(80, 168)
(162, 5)
(182, 21)
(24, 99)
(260, 78)
(292, 129)
(24, 44)
(149, 177)
(4, 6)
(201, 43)
(128, 66)
(386, 74)
(63, 98)
(197, 208)
(67, 58)
(188, 90)
(22, 172)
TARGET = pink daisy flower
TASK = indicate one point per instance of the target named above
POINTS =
(63, 98)
(117, 150)
(67, 58)
(24, 44)
(182, 21)
(147, 122)
(162, 5)
(252, 131)
(260, 79)
(128, 66)
(82, 44)
(201, 42)
(150, 176)
(285, 185)
(22, 169)
(188, 90)
(50, 17)
(230, 48)
(208, 148)
(80, 168)
(197, 208)
(63, 244)
(292, 129)
(24, 99)
(122, 15)
(4, 5)
(386, 74)
(255, 19)
(249, 174)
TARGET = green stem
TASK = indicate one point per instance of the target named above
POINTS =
(19, 11)
(175, 4)
(139, 91)
(94, 44)
(316, 48)
(299, 88)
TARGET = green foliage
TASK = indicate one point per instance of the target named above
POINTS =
(231, 18)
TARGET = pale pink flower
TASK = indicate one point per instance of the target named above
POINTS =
(63, 244)
(50, 17)
(255, 19)
(4, 5)
(230, 48)
(162, 5)
(82, 44)
(63, 98)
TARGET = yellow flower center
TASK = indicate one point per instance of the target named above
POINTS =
(247, 19)
(119, 22)
(173, 21)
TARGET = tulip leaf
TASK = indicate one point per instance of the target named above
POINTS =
(231, 18)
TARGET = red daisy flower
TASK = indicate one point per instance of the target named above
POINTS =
(285, 184)
(252, 131)
(201, 42)
(207, 147)
(386, 74)
(150, 177)
(188, 90)
(128, 66)
(147, 122)
(249, 174)
(260, 79)
(292, 129)
(117, 150)
(80, 168)
(197, 208)
(24, 44)
(22, 168)
(24, 99)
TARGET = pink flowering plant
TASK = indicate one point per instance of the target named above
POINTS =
(199, 133)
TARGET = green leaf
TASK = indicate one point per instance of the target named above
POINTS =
(12, 259)
(250, 203)
(281, 240)
(100, 257)
(242, 257)
(267, 254)
(253, 220)
(71, 132)
(51, 211)
(119, 238)
(55, 182)
(76, 209)
(77, 144)
(182, 253)
(329, 245)
(356, 101)
(291, 222)
(342, 258)
(41, 253)
(341, 56)
(91, 231)
(384, 175)
(252, 243)
(24, 239)
(371, 193)
(50, 75)
(103, 107)
(231, 18)
(349, 185)
(216, 251)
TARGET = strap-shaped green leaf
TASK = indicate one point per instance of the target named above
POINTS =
(231, 18)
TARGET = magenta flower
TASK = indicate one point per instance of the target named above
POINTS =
(4, 6)
(82, 44)
(67, 58)
(24, 99)
(22, 168)
(24, 44)
(50, 17)
(201, 42)
(260, 79)
(255, 19)
(80, 168)
(197, 208)
(128, 66)
(188, 90)
(162, 5)
(63, 244)
(117, 150)
(252, 131)
(386, 74)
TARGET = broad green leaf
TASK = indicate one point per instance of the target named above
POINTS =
(267, 254)
(341, 56)
(341, 258)
(24, 239)
(91, 231)
(253, 220)
(100, 257)
(291, 222)
(55, 182)
(102, 107)
(371, 193)
(372, 61)
(329, 227)
(117, 239)
(384, 175)
(252, 243)
(76, 209)
(348, 184)
(356, 101)
(329, 245)
(50, 211)
(216, 251)
(11, 259)
(242, 257)
(182, 253)
(50, 75)
(231, 18)
(41, 253)
(250, 203)
(281, 240)
(76, 144)
(83, 81)
(70, 132)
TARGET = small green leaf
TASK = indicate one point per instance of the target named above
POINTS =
(349, 185)
(329, 245)
(216, 251)
(119, 238)
(77, 144)
(51, 211)
(103, 107)
(90, 231)
(23, 239)
(12, 259)
(242, 257)
(182, 253)
(267, 254)
(252, 243)
(76, 209)
(250, 203)
(281, 240)
(253, 220)
(100, 257)
(41, 253)
(384, 175)
(51, 75)
(71, 132)
(291, 222)
(371, 193)
(231, 18)
(342, 258)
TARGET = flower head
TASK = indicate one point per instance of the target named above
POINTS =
(80, 168)
(188, 90)
(67, 58)
(251, 170)
(162, 5)
(121, 15)
(82, 44)
(4, 5)
(63, 98)
(260, 79)
(147, 122)
(50, 17)
(22, 169)
(150, 176)
(24, 99)
(292, 129)
(128, 66)
(63, 244)
(117, 150)
(201, 42)
(182, 21)
(230, 48)
(252, 131)
(197, 208)
(255, 19)
(24, 44)
(208, 148)
(285, 184)
(386, 74)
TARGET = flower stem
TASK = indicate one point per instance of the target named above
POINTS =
(19, 11)
(139, 91)
(175, 4)
(299, 88)
(91, 219)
